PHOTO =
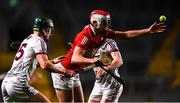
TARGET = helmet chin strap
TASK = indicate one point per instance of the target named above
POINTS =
(95, 29)
(93, 25)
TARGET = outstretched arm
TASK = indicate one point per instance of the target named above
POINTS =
(155, 28)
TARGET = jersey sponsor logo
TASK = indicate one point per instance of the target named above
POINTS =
(84, 40)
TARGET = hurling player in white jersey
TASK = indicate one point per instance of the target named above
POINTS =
(107, 89)
(15, 86)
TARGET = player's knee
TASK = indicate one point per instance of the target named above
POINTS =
(94, 100)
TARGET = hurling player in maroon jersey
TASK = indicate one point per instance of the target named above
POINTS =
(81, 52)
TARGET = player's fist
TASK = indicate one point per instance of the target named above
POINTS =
(100, 72)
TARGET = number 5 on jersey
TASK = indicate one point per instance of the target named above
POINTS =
(20, 51)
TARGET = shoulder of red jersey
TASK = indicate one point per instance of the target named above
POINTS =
(86, 31)
(83, 37)
(87, 26)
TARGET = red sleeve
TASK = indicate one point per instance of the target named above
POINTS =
(110, 33)
(82, 40)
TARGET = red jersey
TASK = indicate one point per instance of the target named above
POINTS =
(86, 39)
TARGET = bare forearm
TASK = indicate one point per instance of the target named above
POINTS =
(133, 33)
(115, 64)
(53, 68)
(82, 60)
(78, 57)
(117, 60)
(47, 64)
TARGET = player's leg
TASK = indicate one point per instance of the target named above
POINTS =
(67, 95)
(64, 95)
(78, 94)
(94, 100)
(96, 94)
(77, 90)
(39, 97)
(112, 94)
(63, 87)
(5, 95)
(29, 93)
(14, 91)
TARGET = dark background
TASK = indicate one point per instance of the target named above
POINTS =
(151, 63)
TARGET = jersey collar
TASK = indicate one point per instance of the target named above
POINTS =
(92, 29)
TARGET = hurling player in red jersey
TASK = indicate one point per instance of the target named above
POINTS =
(81, 53)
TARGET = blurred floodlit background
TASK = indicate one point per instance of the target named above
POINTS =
(151, 63)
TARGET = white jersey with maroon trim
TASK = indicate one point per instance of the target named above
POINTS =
(105, 87)
(107, 47)
(25, 61)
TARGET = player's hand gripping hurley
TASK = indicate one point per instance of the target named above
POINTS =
(118, 79)
(98, 63)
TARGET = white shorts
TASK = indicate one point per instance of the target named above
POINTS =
(65, 83)
(111, 94)
(14, 90)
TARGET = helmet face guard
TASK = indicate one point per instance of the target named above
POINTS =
(101, 17)
(47, 33)
(108, 20)
(100, 20)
